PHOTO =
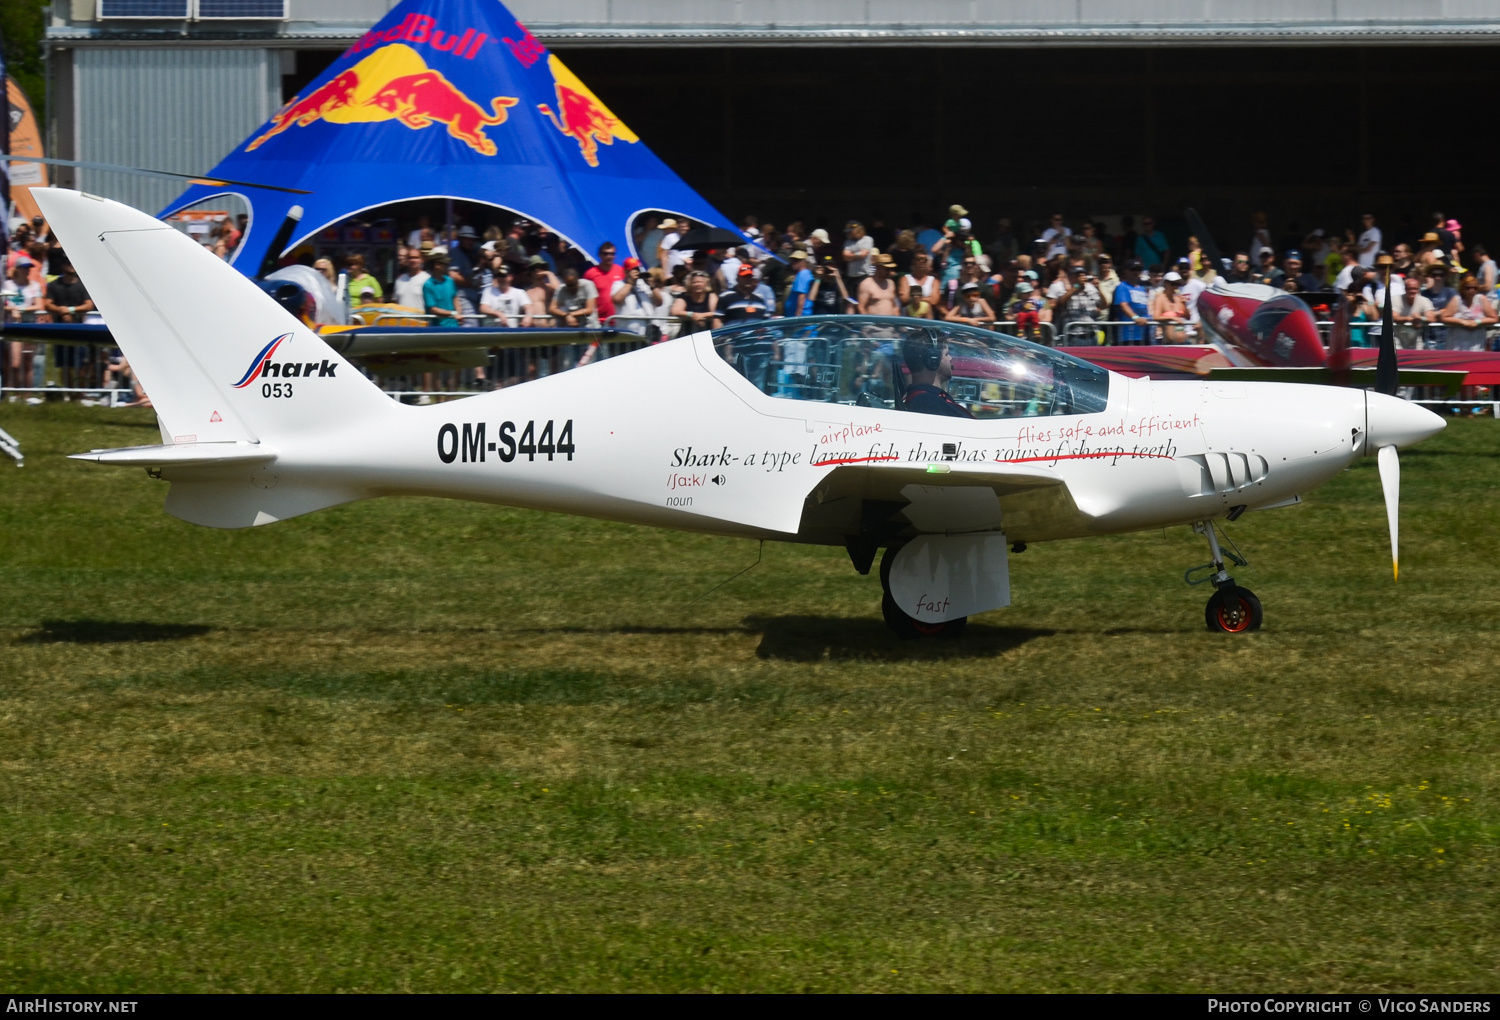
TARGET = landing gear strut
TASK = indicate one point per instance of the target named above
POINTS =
(905, 627)
(1231, 609)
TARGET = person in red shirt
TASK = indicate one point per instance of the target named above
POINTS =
(606, 277)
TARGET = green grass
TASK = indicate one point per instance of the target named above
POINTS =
(425, 745)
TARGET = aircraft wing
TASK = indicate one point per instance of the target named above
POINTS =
(1195, 361)
(1167, 361)
(1482, 367)
(878, 502)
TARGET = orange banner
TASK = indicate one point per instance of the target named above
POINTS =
(25, 140)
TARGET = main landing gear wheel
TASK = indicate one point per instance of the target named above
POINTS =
(905, 627)
(1233, 610)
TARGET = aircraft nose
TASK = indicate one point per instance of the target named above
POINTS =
(1392, 421)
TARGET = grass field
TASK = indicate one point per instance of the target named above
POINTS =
(423, 745)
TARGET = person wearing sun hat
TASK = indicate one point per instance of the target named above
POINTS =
(796, 295)
(671, 233)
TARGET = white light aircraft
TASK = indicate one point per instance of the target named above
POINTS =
(948, 446)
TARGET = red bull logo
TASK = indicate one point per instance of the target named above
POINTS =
(581, 116)
(393, 83)
(528, 50)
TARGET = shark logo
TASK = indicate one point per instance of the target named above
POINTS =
(258, 365)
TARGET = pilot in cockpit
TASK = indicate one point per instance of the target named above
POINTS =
(931, 367)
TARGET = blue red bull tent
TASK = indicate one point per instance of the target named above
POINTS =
(449, 99)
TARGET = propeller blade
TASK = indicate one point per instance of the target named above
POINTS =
(1200, 231)
(1385, 367)
(1390, 484)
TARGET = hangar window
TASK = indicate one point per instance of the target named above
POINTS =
(869, 361)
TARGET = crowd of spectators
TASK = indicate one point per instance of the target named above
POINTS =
(1059, 281)
(1053, 282)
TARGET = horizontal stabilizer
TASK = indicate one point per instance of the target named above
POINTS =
(93, 334)
(181, 455)
(359, 341)
(1325, 376)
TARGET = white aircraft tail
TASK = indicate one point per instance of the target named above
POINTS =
(222, 362)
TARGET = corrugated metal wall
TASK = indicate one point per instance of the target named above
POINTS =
(166, 109)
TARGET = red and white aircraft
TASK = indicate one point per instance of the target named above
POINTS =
(947, 446)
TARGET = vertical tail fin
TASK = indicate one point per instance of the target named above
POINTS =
(221, 361)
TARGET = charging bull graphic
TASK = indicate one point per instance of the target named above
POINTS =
(393, 83)
(581, 116)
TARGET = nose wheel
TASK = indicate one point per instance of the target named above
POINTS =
(1231, 609)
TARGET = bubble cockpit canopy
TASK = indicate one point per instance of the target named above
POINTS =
(872, 361)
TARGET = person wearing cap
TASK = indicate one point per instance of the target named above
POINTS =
(504, 301)
(797, 302)
(1193, 286)
(743, 302)
(877, 294)
(636, 299)
(931, 366)
(1079, 300)
(1028, 310)
(22, 298)
(969, 307)
(21, 294)
(463, 265)
(576, 303)
(440, 292)
(1169, 307)
(1268, 272)
(605, 276)
(1292, 269)
(1132, 303)
(539, 284)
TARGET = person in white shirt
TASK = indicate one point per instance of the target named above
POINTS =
(408, 287)
(1056, 235)
(636, 300)
(511, 305)
(1192, 287)
(668, 257)
(20, 294)
(1369, 241)
(1411, 311)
